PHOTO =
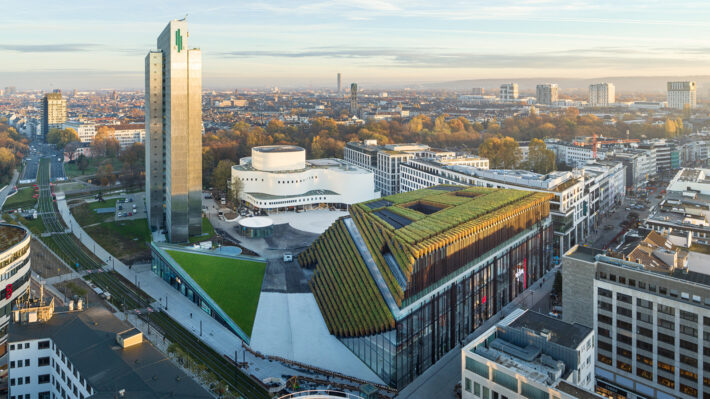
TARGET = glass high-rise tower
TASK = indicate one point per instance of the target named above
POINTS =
(173, 145)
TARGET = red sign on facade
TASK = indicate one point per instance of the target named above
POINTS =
(8, 291)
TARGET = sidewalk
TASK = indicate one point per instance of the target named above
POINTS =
(181, 309)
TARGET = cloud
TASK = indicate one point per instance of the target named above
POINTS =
(603, 57)
(50, 48)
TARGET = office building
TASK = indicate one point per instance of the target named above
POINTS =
(14, 272)
(353, 99)
(650, 315)
(609, 190)
(602, 94)
(403, 279)
(54, 111)
(279, 177)
(74, 353)
(509, 92)
(85, 129)
(129, 133)
(478, 91)
(547, 94)
(695, 180)
(530, 355)
(385, 160)
(569, 206)
(681, 94)
(640, 166)
(339, 87)
(173, 123)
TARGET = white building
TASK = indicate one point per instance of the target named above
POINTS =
(14, 272)
(383, 160)
(611, 179)
(279, 177)
(569, 208)
(509, 92)
(573, 155)
(85, 129)
(128, 134)
(696, 181)
(547, 93)
(530, 355)
(602, 94)
(681, 94)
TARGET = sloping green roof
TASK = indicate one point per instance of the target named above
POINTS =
(405, 226)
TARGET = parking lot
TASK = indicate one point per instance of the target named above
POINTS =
(132, 206)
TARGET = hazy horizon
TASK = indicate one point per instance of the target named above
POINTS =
(377, 43)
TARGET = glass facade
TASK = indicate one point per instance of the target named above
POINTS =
(445, 318)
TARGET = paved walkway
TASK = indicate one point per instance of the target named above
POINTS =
(184, 311)
(6, 190)
(438, 381)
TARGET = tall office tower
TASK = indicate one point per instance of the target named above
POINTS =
(54, 111)
(339, 87)
(478, 91)
(173, 121)
(602, 94)
(353, 98)
(681, 94)
(547, 93)
(509, 92)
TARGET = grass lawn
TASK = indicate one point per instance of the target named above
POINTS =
(23, 199)
(72, 170)
(85, 215)
(207, 232)
(36, 226)
(234, 284)
(126, 240)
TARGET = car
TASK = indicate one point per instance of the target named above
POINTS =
(130, 213)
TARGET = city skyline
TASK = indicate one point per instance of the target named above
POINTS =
(374, 43)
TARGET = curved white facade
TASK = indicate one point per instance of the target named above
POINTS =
(318, 181)
(275, 158)
(14, 271)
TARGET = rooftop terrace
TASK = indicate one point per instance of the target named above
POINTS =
(10, 235)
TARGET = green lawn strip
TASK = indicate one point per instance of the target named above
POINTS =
(207, 232)
(127, 240)
(34, 225)
(23, 199)
(234, 284)
(85, 213)
(71, 169)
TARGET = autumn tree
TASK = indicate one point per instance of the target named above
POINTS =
(82, 162)
(540, 159)
(105, 174)
(221, 175)
(502, 153)
(62, 137)
(7, 165)
(105, 143)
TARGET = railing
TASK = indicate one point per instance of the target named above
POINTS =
(321, 393)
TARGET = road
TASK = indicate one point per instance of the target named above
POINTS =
(5, 191)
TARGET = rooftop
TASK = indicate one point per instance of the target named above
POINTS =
(10, 235)
(561, 333)
(278, 148)
(88, 339)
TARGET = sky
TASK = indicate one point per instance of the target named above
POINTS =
(99, 44)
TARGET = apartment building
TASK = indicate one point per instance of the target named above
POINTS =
(547, 94)
(128, 134)
(651, 316)
(681, 94)
(85, 129)
(508, 92)
(602, 94)
(569, 207)
(530, 355)
(54, 111)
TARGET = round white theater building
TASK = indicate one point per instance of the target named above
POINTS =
(278, 177)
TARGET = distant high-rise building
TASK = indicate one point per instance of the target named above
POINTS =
(10, 90)
(602, 94)
(173, 122)
(339, 88)
(547, 93)
(681, 94)
(54, 111)
(509, 92)
(478, 91)
(353, 98)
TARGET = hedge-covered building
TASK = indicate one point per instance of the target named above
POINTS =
(403, 279)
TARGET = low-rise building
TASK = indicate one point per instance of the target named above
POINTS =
(85, 129)
(280, 178)
(530, 355)
(128, 134)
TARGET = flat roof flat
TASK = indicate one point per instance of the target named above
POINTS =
(88, 339)
(278, 148)
(563, 333)
(10, 235)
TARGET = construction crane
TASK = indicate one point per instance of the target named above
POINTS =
(596, 142)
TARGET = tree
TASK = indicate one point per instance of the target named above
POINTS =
(7, 164)
(540, 159)
(235, 189)
(82, 162)
(105, 174)
(70, 148)
(221, 174)
(502, 153)
(62, 137)
(105, 143)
